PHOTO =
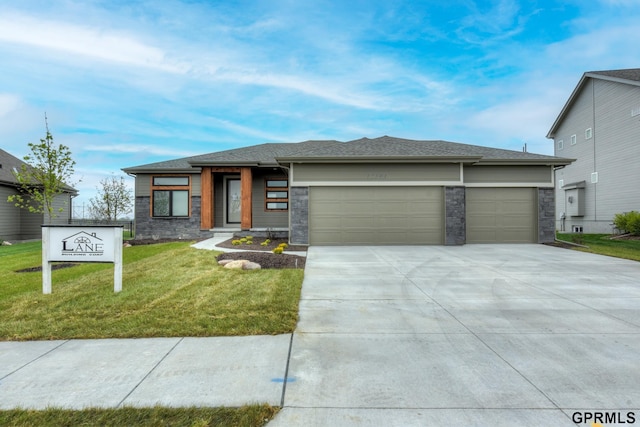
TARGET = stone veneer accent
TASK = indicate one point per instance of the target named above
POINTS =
(455, 216)
(299, 215)
(172, 228)
(546, 215)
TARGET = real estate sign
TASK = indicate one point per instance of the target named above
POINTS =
(77, 243)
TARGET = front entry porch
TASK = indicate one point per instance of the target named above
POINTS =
(237, 208)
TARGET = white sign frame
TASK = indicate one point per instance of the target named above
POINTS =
(79, 243)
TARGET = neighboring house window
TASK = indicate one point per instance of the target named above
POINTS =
(170, 196)
(560, 144)
(574, 139)
(276, 194)
(588, 133)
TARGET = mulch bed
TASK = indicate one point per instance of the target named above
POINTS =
(53, 267)
(256, 246)
(264, 256)
(267, 259)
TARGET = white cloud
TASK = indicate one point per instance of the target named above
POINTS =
(97, 43)
(8, 103)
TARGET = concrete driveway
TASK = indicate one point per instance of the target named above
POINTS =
(484, 335)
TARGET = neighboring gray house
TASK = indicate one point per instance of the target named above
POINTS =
(368, 191)
(20, 224)
(599, 126)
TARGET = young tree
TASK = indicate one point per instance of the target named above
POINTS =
(113, 199)
(45, 176)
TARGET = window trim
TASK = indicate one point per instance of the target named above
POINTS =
(268, 189)
(574, 139)
(588, 133)
(171, 188)
(560, 144)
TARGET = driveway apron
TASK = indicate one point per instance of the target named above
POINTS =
(497, 335)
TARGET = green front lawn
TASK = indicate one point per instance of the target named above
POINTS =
(603, 244)
(169, 290)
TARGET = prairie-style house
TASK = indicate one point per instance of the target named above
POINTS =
(380, 191)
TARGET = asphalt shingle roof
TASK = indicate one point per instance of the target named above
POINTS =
(7, 164)
(632, 74)
(629, 76)
(383, 147)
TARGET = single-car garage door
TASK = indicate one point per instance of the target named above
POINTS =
(376, 215)
(501, 215)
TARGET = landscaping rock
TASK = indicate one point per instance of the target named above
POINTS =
(6, 244)
(242, 264)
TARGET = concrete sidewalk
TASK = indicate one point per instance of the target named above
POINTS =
(175, 372)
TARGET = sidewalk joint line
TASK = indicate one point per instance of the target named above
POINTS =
(286, 372)
(119, 405)
(32, 361)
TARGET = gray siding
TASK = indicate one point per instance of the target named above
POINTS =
(262, 218)
(356, 172)
(9, 216)
(605, 107)
(20, 224)
(507, 174)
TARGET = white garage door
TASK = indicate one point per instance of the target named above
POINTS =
(501, 215)
(376, 215)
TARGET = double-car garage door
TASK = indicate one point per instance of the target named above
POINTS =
(376, 215)
(416, 215)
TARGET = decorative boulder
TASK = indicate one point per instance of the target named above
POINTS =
(242, 264)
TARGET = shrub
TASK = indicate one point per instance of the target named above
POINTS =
(628, 222)
(277, 250)
(283, 246)
(265, 243)
(236, 242)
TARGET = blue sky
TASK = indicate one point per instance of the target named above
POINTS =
(128, 82)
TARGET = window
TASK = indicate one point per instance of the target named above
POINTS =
(170, 196)
(560, 144)
(573, 140)
(276, 194)
(588, 133)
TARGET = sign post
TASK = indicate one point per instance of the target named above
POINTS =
(69, 243)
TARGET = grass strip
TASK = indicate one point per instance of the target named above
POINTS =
(603, 244)
(246, 416)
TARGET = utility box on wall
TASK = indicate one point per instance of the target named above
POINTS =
(574, 198)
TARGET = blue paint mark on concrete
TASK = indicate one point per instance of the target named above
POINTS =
(282, 380)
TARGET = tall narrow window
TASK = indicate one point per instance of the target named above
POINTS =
(170, 196)
(276, 194)
(560, 144)
(573, 140)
